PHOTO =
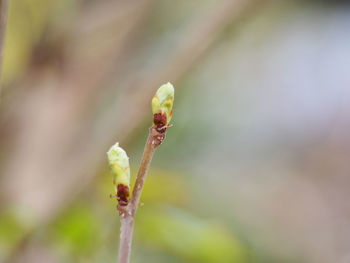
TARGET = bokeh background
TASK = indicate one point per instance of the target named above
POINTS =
(255, 169)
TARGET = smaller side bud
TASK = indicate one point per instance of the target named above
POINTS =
(162, 106)
(119, 164)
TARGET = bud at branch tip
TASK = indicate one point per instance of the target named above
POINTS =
(162, 106)
(119, 165)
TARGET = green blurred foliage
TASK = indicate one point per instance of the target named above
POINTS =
(10, 233)
(77, 230)
(28, 20)
(189, 237)
(15, 224)
(166, 187)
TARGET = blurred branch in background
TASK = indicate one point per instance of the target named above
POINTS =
(53, 132)
(57, 99)
(4, 4)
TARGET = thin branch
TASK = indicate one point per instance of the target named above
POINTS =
(126, 231)
(3, 21)
(154, 139)
(127, 213)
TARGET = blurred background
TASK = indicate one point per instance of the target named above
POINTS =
(255, 169)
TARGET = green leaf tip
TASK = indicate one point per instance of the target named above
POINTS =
(162, 105)
(119, 164)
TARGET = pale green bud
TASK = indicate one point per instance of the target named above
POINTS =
(162, 105)
(120, 168)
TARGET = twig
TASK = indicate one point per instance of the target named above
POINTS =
(3, 21)
(127, 213)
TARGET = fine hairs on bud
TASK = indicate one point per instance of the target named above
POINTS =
(120, 169)
(162, 106)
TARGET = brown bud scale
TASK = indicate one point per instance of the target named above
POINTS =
(123, 194)
(160, 120)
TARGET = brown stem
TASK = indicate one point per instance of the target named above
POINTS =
(127, 213)
(126, 230)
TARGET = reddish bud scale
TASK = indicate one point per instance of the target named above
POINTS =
(160, 120)
(123, 194)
